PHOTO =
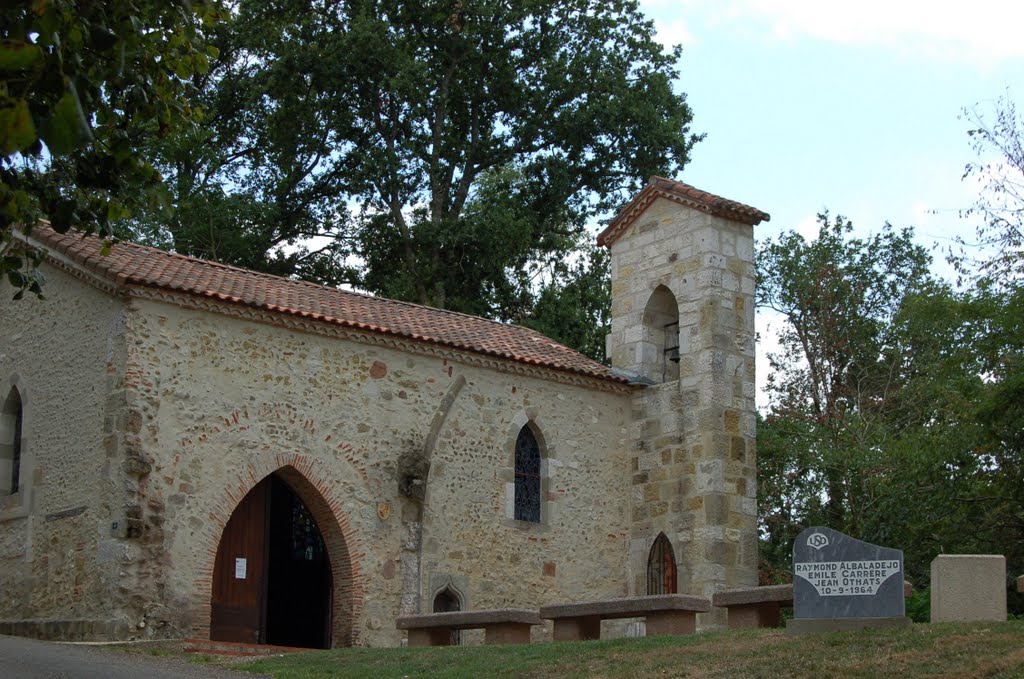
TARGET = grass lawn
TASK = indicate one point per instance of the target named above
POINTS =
(961, 651)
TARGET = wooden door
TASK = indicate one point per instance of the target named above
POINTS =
(238, 607)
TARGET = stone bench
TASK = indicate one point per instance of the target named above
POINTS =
(500, 625)
(754, 606)
(762, 606)
(665, 614)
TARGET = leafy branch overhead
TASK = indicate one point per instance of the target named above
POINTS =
(997, 138)
(82, 84)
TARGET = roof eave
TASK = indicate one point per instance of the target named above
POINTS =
(659, 187)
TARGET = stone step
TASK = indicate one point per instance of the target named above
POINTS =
(208, 647)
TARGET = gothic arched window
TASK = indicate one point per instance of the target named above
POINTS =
(527, 498)
(661, 567)
(446, 601)
(11, 415)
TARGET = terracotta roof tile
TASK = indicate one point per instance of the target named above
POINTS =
(129, 264)
(684, 194)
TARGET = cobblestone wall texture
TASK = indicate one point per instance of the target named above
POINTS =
(58, 561)
(206, 405)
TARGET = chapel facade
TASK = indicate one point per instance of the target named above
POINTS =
(192, 449)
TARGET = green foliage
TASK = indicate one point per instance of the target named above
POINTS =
(789, 495)
(81, 85)
(919, 605)
(574, 307)
(448, 154)
(840, 361)
(895, 402)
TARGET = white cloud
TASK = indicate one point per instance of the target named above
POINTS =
(985, 32)
(808, 227)
(673, 32)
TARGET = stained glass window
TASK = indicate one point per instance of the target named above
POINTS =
(661, 567)
(527, 500)
(306, 540)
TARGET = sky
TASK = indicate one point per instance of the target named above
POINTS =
(853, 107)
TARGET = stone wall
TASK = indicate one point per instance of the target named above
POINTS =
(692, 453)
(223, 401)
(60, 556)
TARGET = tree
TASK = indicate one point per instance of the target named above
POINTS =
(840, 362)
(574, 307)
(997, 138)
(247, 182)
(453, 152)
(929, 492)
(1002, 417)
(894, 401)
(81, 84)
(998, 142)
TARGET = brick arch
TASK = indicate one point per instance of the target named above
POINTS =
(320, 496)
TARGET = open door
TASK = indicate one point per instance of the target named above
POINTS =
(299, 583)
(238, 606)
(272, 577)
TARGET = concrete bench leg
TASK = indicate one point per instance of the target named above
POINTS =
(765, 614)
(434, 636)
(577, 629)
(671, 622)
(507, 633)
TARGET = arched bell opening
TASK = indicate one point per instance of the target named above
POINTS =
(660, 348)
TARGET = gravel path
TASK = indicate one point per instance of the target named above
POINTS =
(32, 659)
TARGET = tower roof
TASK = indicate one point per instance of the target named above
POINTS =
(684, 194)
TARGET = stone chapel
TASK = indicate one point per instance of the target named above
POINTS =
(193, 449)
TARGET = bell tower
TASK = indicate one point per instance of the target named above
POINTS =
(682, 269)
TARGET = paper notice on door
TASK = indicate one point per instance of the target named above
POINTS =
(239, 569)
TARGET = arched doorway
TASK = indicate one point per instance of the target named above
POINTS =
(445, 602)
(272, 580)
(661, 567)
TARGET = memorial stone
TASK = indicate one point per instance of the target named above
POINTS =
(843, 583)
